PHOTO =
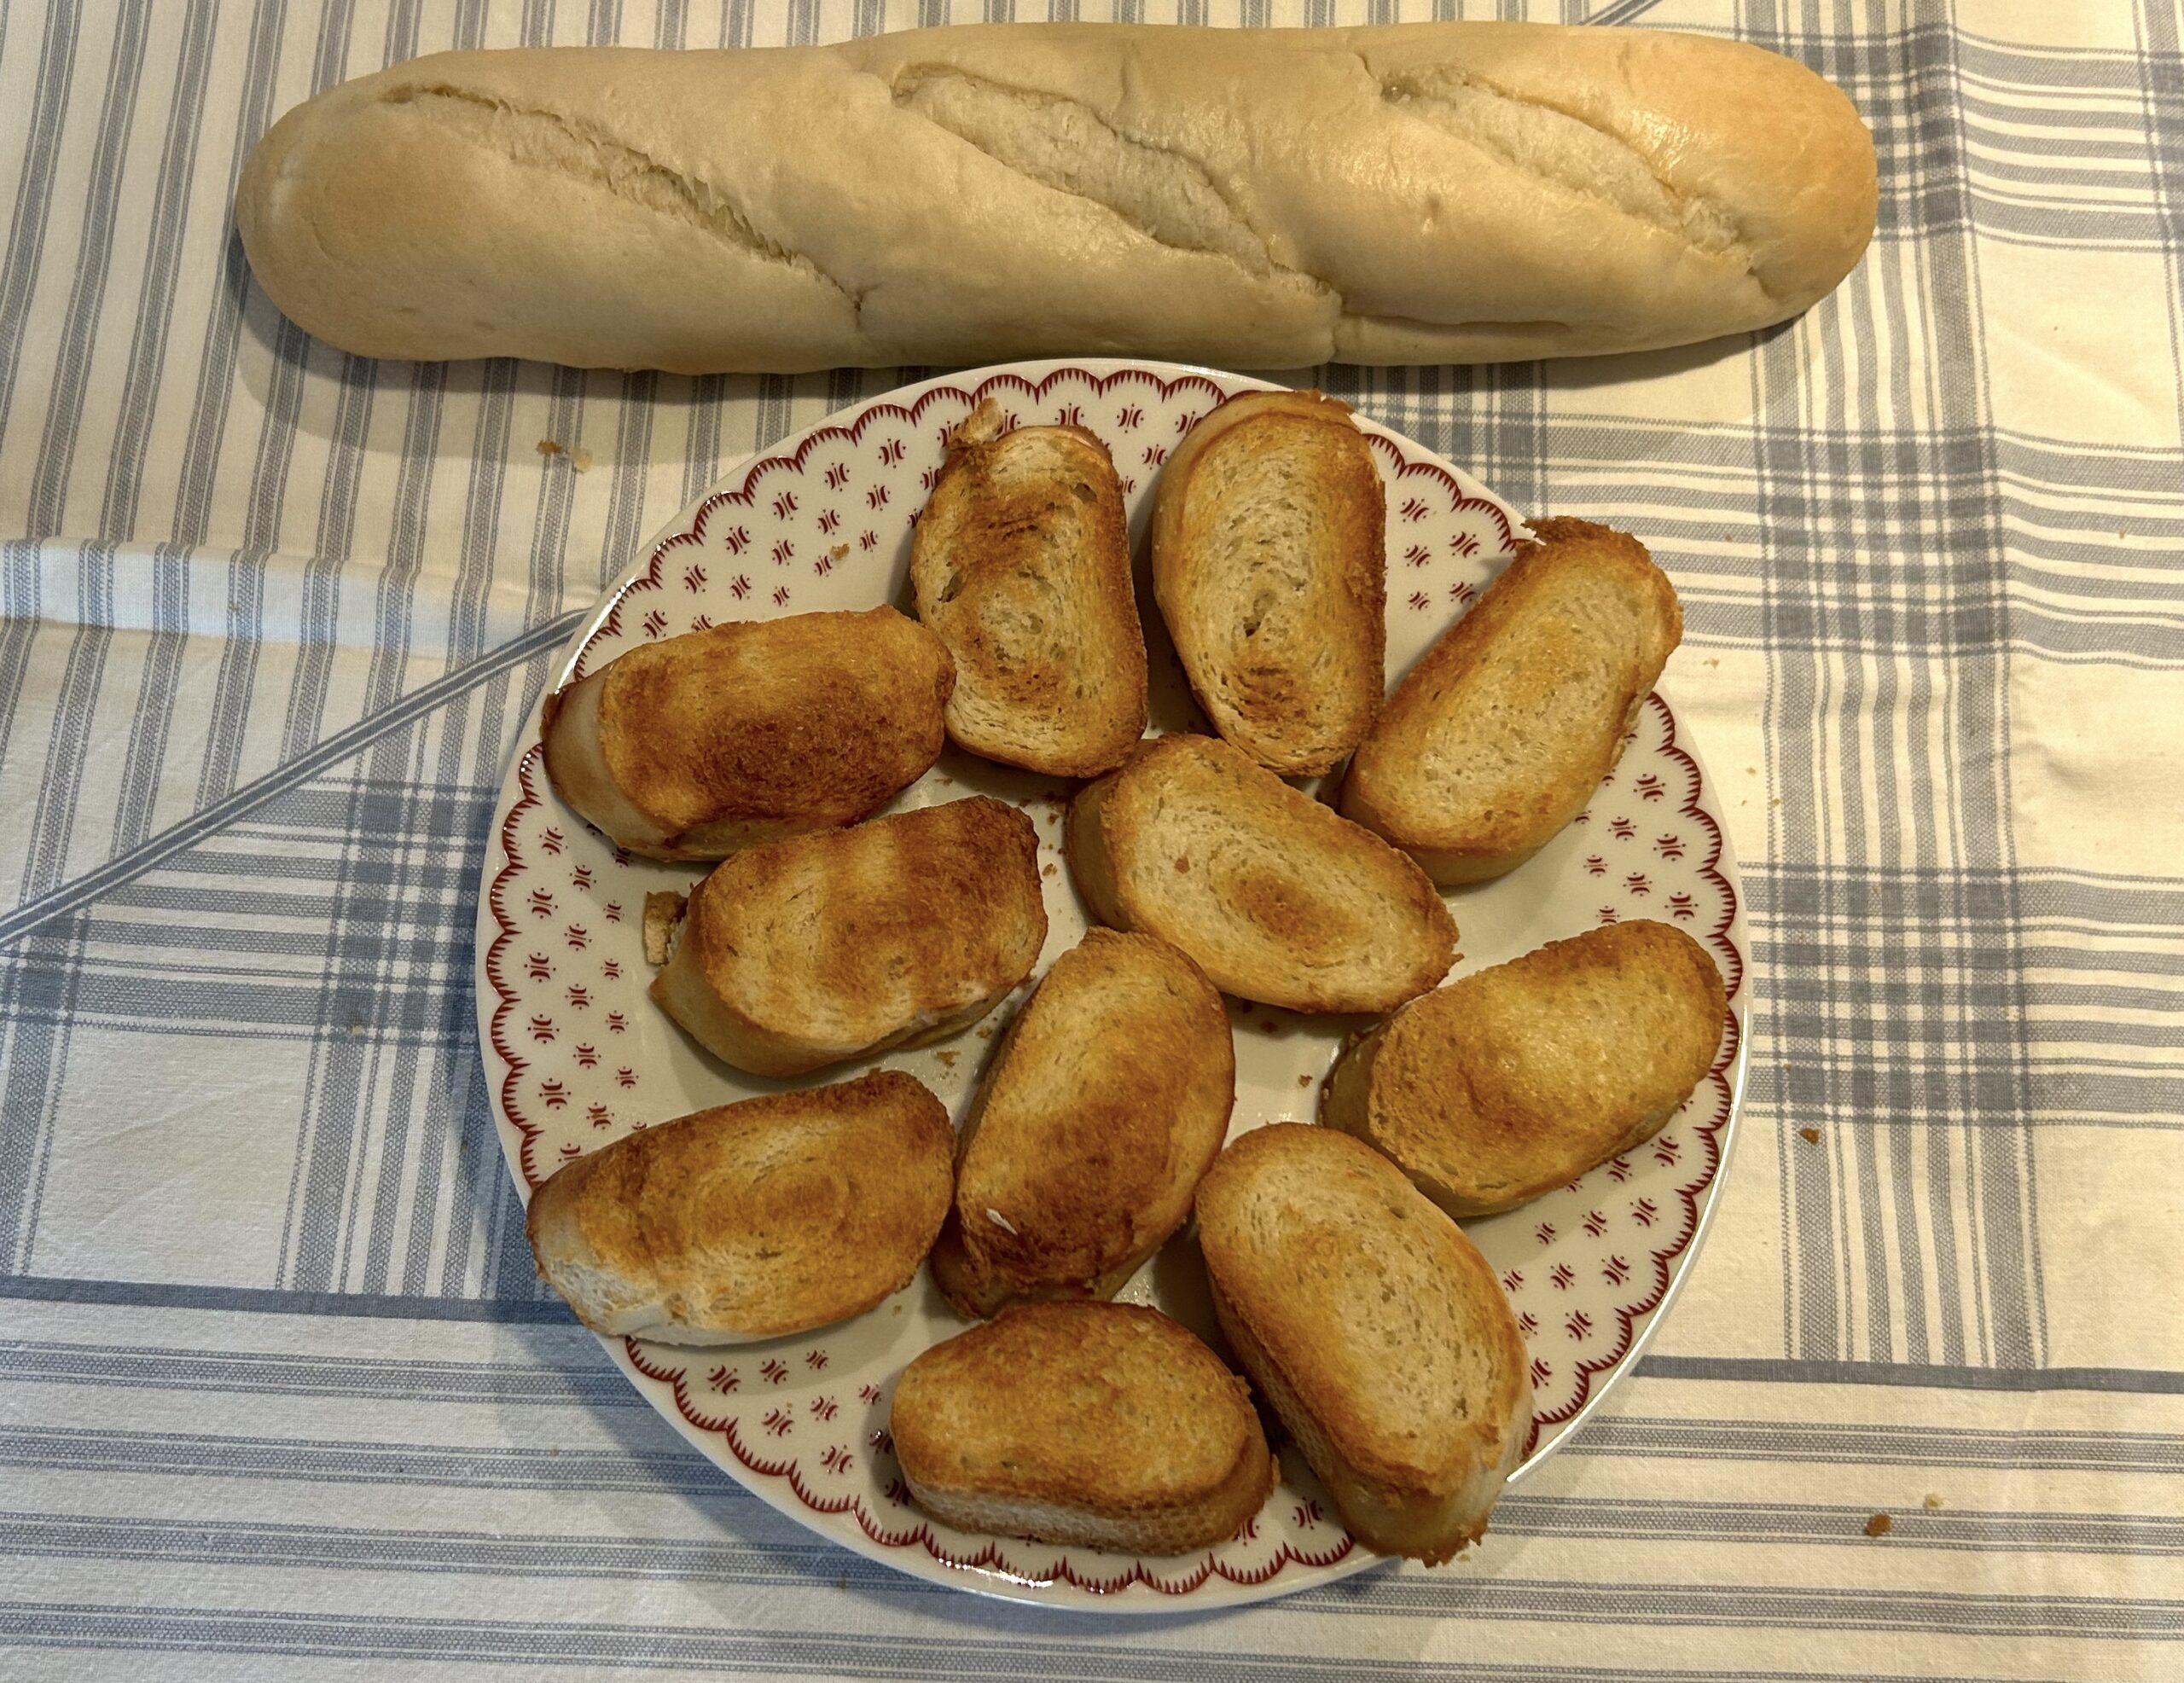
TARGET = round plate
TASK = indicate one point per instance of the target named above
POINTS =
(578, 1054)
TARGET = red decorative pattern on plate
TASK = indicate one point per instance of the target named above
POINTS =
(578, 1055)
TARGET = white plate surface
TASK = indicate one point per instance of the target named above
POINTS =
(576, 1054)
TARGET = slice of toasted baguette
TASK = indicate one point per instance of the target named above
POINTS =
(1104, 1106)
(1269, 565)
(1276, 897)
(822, 947)
(1516, 1080)
(1020, 563)
(696, 747)
(1499, 736)
(1097, 1425)
(1376, 1330)
(769, 1217)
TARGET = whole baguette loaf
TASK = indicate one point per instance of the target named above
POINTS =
(1419, 193)
(697, 745)
(1375, 1328)
(757, 1219)
(895, 932)
(1104, 1106)
(1104, 1425)
(1516, 1080)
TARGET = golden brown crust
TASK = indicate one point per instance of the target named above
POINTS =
(695, 746)
(1104, 1106)
(1518, 1079)
(1499, 736)
(1020, 562)
(1374, 1327)
(1269, 564)
(834, 946)
(1102, 1424)
(1274, 896)
(772, 1215)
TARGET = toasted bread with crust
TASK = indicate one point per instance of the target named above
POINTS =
(1376, 1330)
(1276, 897)
(1104, 1105)
(1516, 1080)
(1096, 1425)
(697, 745)
(1270, 568)
(1499, 736)
(1020, 563)
(769, 1217)
(821, 948)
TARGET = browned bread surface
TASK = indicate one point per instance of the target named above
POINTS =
(1500, 735)
(696, 745)
(1374, 1328)
(1276, 897)
(826, 947)
(769, 1216)
(1269, 565)
(1104, 1105)
(1516, 1080)
(1020, 562)
(1098, 1425)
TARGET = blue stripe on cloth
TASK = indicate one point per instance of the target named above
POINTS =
(342, 745)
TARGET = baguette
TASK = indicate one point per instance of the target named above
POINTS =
(1269, 565)
(1104, 1106)
(1274, 896)
(1375, 1329)
(1020, 562)
(1094, 1425)
(774, 1216)
(1413, 192)
(1516, 1080)
(1500, 735)
(827, 947)
(697, 745)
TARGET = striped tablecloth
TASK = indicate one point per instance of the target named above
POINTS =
(278, 1394)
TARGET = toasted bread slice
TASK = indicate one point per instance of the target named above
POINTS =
(1097, 1425)
(822, 947)
(1516, 1080)
(1376, 1330)
(1270, 568)
(1104, 1105)
(1021, 565)
(1274, 896)
(773, 1216)
(696, 747)
(1499, 736)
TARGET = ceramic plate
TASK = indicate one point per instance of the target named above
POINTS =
(577, 1056)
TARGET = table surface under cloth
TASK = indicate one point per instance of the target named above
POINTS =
(279, 1395)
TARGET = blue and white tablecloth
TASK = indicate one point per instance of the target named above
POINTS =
(279, 1396)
